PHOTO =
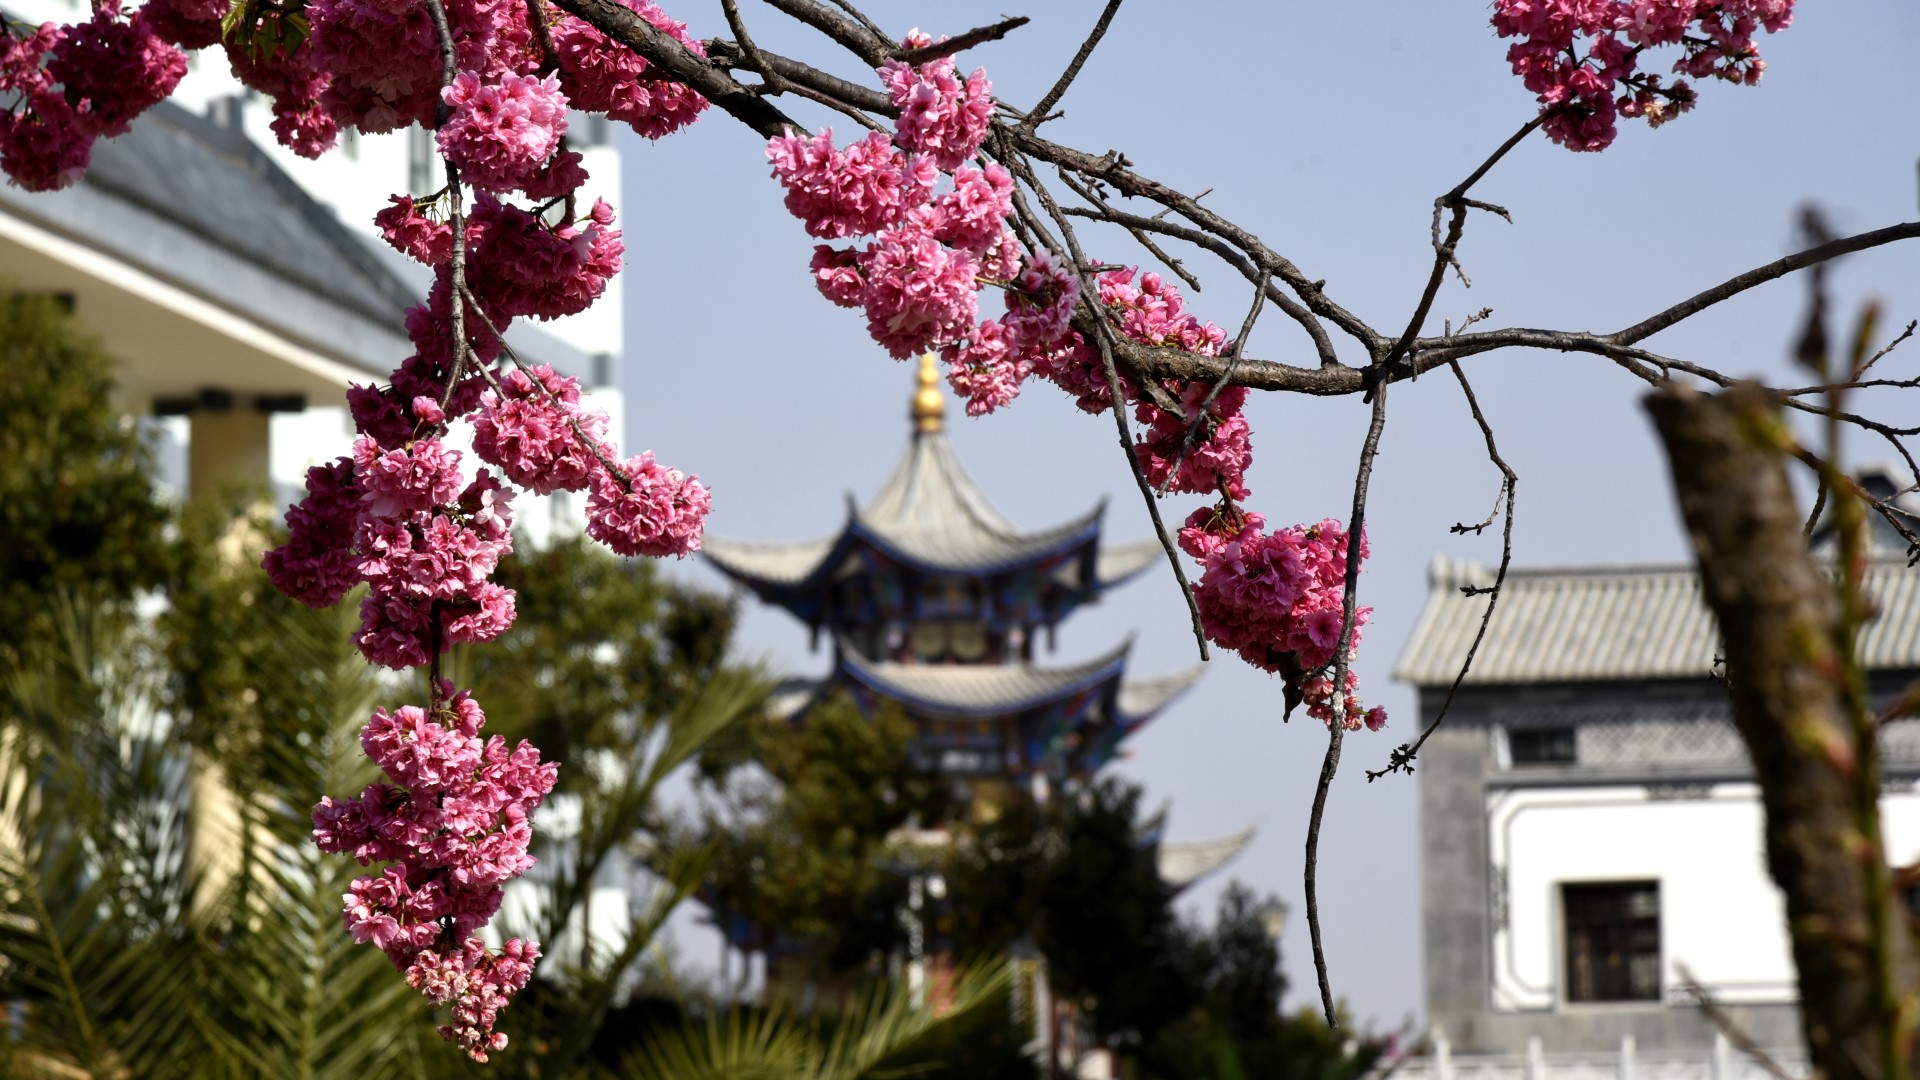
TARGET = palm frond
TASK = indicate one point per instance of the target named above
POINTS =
(292, 995)
(886, 1033)
(611, 820)
(92, 869)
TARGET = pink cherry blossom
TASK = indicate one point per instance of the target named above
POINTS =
(920, 294)
(987, 371)
(600, 75)
(865, 188)
(940, 115)
(656, 511)
(502, 134)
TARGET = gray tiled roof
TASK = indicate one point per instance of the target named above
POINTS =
(1611, 623)
(210, 179)
(931, 512)
(982, 689)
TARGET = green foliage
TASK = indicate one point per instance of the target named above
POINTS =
(602, 651)
(77, 509)
(92, 880)
(883, 1034)
(808, 854)
(228, 676)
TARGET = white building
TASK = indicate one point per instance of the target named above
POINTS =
(1591, 836)
(241, 287)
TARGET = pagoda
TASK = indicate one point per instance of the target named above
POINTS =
(935, 601)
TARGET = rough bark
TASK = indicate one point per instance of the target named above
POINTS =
(1779, 615)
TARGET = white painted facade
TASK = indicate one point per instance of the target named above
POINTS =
(355, 181)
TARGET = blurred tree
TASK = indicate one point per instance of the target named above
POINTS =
(77, 506)
(602, 649)
(804, 819)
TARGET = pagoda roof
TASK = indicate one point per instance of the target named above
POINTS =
(984, 689)
(1181, 864)
(932, 515)
(981, 690)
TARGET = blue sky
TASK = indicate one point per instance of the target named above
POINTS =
(1327, 129)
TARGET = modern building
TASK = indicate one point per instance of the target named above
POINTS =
(241, 288)
(1591, 835)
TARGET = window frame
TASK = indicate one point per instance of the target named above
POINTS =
(1563, 952)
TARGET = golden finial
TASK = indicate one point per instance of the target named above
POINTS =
(929, 405)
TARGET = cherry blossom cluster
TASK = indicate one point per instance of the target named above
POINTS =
(1276, 599)
(938, 221)
(70, 85)
(453, 821)
(1581, 58)
(399, 515)
(937, 218)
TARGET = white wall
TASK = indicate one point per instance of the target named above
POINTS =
(1720, 914)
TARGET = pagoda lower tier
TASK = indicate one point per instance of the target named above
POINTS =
(1026, 725)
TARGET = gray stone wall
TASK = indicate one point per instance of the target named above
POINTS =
(1455, 771)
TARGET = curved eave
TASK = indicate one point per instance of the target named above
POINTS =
(1122, 563)
(1141, 699)
(1187, 862)
(772, 566)
(993, 556)
(981, 691)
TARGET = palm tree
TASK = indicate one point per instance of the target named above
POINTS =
(120, 957)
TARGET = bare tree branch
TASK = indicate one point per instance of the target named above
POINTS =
(960, 42)
(1104, 339)
(682, 65)
(1403, 756)
(1038, 114)
(1724, 1024)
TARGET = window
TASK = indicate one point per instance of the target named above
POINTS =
(1613, 940)
(1541, 746)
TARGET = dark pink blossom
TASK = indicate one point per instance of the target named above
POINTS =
(316, 565)
(657, 511)
(600, 75)
(413, 233)
(527, 429)
(113, 69)
(454, 824)
(502, 134)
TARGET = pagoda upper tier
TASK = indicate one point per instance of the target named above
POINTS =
(929, 571)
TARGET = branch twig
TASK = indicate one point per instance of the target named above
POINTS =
(1403, 756)
(1039, 113)
(960, 42)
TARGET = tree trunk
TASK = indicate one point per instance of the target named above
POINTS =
(1779, 616)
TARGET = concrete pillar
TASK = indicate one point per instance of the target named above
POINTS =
(1442, 1055)
(1536, 1059)
(1722, 1066)
(228, 446)
(1626, 1057)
